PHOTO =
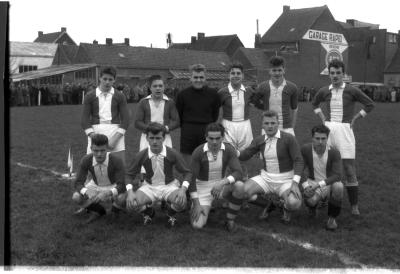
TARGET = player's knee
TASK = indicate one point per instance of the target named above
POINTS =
(238, 189)
(179, 207)
(77, 198)
(292, 203)
(337, 190)
(121, 200)
(200, 223)
(311, 202)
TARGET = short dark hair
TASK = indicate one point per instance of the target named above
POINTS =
(155, 128)
(336, 63)
(320, 129)
(236, 64)
(99, 139)
(271, 113)
(108, 70)
(197, 68)
(277, 61)
(215, 127)
(154, 78)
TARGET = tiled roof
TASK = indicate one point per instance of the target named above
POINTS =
(48, 37)
(345, 25)
(142, 57)
(209, 43)
(211, 75)
(32, 49)
(292, 24)
(394, 65)
(49, 71)
(256, 57)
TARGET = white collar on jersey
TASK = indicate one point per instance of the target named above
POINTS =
(230, 88)
(165, 97)
(277, 135)
(98, 92)
(281, 86)
(95, 163)
(163, 152)
(342, 86)
(205, 147)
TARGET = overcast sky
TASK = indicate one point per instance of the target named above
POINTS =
(148, 22)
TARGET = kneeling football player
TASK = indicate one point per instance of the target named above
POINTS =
(108, 179)
(208, 165)
(159, 183)
(322, 168)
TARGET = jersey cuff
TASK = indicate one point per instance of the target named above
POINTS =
(167, 128)
(129, 187)
(121, 130)
(305, 184)
(185, 184)
(114, 191)
(363, 113)
(194, 195)
(88, 131)
(296, 178)
(317, 110)
(237, 153)
(231, 179)
(322, 184)
(83, 190)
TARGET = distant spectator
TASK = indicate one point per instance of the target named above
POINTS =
(67, 93)
(60, 95)
(19, 96)
(393, 95)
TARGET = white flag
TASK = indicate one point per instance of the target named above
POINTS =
(70, 162)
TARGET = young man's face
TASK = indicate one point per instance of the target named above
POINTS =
(336, 75)
(236, 76)
(157, 89)
(319, 141)
(198, 79)
(270, 125)
(277, 73)
(106, 82)
(99, 152)
(214, 140)
(155, 142)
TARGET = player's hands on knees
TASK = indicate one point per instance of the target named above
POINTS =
(309, 192)
(295, 190)
(217, 188)
(196, 212)
(131, 200)
(180, 197)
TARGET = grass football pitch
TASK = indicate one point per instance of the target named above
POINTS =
(45, 233)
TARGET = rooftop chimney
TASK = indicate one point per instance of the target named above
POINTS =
(200, 35)
(95, 42)
(193, 40)
(286, 8)
(350, 21)
(126, 41)
(40, 33)
(63, 29)
(108, 41)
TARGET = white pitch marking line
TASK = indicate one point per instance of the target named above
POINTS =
(345, 259)
(63, 176)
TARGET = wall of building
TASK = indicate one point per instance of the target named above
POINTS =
(40, 62)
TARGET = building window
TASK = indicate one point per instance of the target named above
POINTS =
(392, 38)
(26, 68)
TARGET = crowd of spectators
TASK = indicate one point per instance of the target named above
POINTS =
(22, 94)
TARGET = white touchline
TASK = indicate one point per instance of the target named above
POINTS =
(345, 259)
(63, 176)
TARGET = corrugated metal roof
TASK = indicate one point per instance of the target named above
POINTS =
(49, 71)
(292, 24)
(32, 49)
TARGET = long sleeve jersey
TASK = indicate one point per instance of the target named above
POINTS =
(98, 111)
(341, 102)
(202, 159)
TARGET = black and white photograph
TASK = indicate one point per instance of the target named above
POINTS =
(203, 136)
